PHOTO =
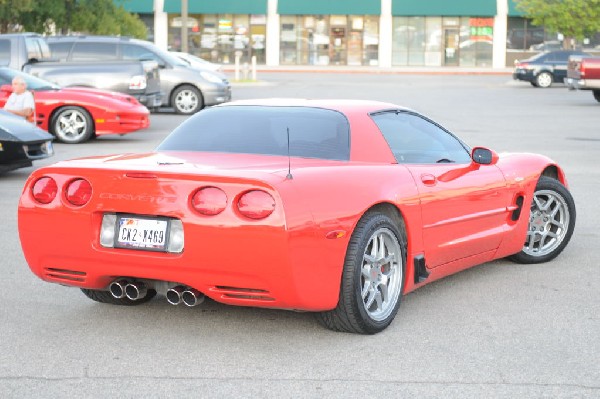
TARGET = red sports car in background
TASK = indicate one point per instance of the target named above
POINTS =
(76, 114)
(331, 206)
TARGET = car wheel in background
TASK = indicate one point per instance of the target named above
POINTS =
(596, 94)
(72, 125)
(544, 79)
(187, 99)
(372, 279)
(551, 222)
(107, 297)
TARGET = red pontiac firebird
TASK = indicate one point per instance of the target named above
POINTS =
(76, 114)
(331, 206)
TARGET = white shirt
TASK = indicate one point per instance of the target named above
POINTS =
(18, 102)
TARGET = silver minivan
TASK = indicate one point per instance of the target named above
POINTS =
(186, 89)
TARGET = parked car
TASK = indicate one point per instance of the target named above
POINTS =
(186, 89)
(583, 73)
(76, 114)
(21, 142)
(197, 62)
(334, 207)
(20, 49)
(542, 70)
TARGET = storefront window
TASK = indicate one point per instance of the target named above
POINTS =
(329, 40)
(220, 38)
(437, 41)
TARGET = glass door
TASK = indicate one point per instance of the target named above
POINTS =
(451, 46)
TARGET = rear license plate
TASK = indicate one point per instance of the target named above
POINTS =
(142, 233)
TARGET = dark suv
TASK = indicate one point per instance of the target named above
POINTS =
(186, 89)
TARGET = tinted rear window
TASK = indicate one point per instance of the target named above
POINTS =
(60, 50)
(313, 132)
(94, 51)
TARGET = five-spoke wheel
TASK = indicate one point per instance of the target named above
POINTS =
(187, 100)
(72, 125)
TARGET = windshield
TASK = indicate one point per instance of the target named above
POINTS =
(168, 57)
(313, 132)
(33, 83)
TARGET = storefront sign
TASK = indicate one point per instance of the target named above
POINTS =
(481, 29)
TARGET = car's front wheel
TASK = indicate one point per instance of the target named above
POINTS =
(187, 100)
(373, 278)
(551, 222)
(72, 125)
(543, 79)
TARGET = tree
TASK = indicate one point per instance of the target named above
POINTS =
(10, 10)
(102, 17)
(574, 19)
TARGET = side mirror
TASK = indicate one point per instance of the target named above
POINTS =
(484, 156)
(6, 88)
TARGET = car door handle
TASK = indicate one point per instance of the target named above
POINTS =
(428, 180)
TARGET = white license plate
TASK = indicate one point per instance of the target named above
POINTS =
(141, 233)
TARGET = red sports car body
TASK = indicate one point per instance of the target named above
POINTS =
(75, 114)
(336, 207)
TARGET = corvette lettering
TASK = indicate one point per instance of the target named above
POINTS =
(138, 197)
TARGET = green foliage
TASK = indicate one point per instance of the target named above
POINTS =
(101, 17)
(572, 18)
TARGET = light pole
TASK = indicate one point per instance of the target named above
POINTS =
(184, 26)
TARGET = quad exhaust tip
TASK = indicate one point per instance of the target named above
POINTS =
(133, 290)
(187, 295)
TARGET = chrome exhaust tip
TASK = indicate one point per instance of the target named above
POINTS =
(136, 290)
(117, 288)
(192, 297)
(174, 294)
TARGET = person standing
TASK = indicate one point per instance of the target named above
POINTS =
(20, 102)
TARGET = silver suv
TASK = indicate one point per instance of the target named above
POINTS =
(185, 88)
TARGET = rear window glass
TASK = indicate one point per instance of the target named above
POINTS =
(94, 51)
(4, 52)
(60, 50)
(313, 132)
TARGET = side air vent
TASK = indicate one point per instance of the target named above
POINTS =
(63, 274)
(254, 294)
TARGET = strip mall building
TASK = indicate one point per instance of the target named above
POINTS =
(384, 33)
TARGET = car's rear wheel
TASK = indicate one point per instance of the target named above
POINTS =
(543, 79)
(72, 125)
(596, 94)
(551, 222)
(372, 279)
(187, 100)
(107, 297)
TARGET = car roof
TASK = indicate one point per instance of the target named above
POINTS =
(96, 38)
(341, 105)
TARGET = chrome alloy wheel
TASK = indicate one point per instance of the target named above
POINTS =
(544, 79)
(381, 274)
(186, 101)
(71, 125)
(548, 223)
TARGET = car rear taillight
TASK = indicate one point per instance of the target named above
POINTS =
(44, 190)
(256, 204)
(137, 82)
(582, 69)
(78, 192)
(209, 201)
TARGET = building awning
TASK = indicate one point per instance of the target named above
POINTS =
(329, 7)
(512, 9)
(137, 6)
(466, 8)
(218, 7)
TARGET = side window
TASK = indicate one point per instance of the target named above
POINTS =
(135, 52)
(60, 50)
(85, 51)
(4, 52)
(414, 139)
(44, 49)
(33, 49)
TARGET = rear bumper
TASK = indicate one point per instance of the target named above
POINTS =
(582, 84)
(524, 75)
(217, 95)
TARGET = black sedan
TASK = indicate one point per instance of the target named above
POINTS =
(21, 142)
(543, 69)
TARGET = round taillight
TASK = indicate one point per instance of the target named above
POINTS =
(78, 192)
(209, 201)
(44, 190)
(256, 204)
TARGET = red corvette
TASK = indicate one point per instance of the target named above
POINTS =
(335, 207)
(76, 114)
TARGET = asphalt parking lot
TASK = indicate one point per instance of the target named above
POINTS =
(499, 330)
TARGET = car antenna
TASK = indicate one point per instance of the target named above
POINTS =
(289, 175)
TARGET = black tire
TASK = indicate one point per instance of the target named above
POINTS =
(357, 286)
(544, 80)
(534, 84)
(551, 223)
(596, 94)
(72, 125)
(106, 297)
(187, 100)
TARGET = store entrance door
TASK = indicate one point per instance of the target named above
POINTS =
(337, 46)
(451, 48)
